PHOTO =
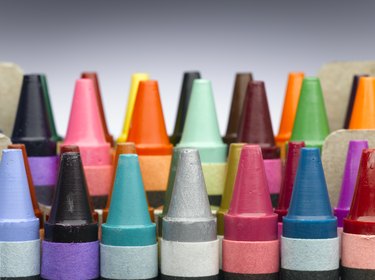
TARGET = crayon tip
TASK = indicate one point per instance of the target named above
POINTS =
(71, 218)
(311, 123)
(135, 79)
(94, 77)
(363, 114)
(353, 93)
(292, 94)
(310, 214)
(238, 97)
(34, 201)
(17, 218)
(32, 126)
(232, 167)
(255, 125)
(148, 130)
(293, 154)
(187, 84)
(201, 129)
(353, 158)
(361, 218)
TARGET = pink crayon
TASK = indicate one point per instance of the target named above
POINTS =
(85, 130)
(251, 245)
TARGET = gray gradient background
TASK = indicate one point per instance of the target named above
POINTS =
(165, 38)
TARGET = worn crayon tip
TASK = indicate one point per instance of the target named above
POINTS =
(187, 84)
(251, 206)
(94, 77)
(148, 130)
(310, 214)
(32, 126)
(232, 167)
(361, 218)
(311, 122)
(293, 154)
(349, 179)
(134, 85)
(128, 212)
(17, 218)
(238, 97)
(201, 129)
(363, 114)
(255, 125)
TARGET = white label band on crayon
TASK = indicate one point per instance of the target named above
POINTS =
(310, 254)
(129, 262)
(214, 177)
(189, 259)
(19, 259)
(358, 251)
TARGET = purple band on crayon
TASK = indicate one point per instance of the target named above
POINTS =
(70, 260)
(273, 169)
(44, 170)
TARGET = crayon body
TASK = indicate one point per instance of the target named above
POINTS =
(128, 249)
(309, 243)
(251, 247)
(19, 228)
(201, 131)
(358, 246)
(189, 246)
(32, 128)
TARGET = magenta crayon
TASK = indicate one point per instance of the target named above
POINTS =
(86, 131)
(251, 245)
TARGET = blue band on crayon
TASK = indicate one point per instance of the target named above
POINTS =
(24, 230)
(310, 229)
(129, 236)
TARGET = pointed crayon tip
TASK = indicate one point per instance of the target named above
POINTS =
(311, 110)
(310, 214)
(232, 167)
(349, 179)
(293, 154)
(148, 130)
(238, 97)
(32, 126)
(134, 85)
(353, 93)
(255, 125)
(94, 77)
(363, 114)
(187, 84)
(17, 218)
(361, 218)
(201, 129)
(128, 212)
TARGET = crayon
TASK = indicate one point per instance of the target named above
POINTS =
(128, 249)
(232, 166)
(311, 122)
(189, 246)
(251, 247)
(149, 134)
(32, 128)
(290, 170)
(256, 128)
(309, 242)
(4, 142)
(85, 131)
(201, 131)
(187, 84)
(292, 93)
(353, 93)
(238, 97)
(34, 201)
(358, 237)
(70, 249)
(363, 114)
(136, 78)
(19, 228)
(94, 77)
